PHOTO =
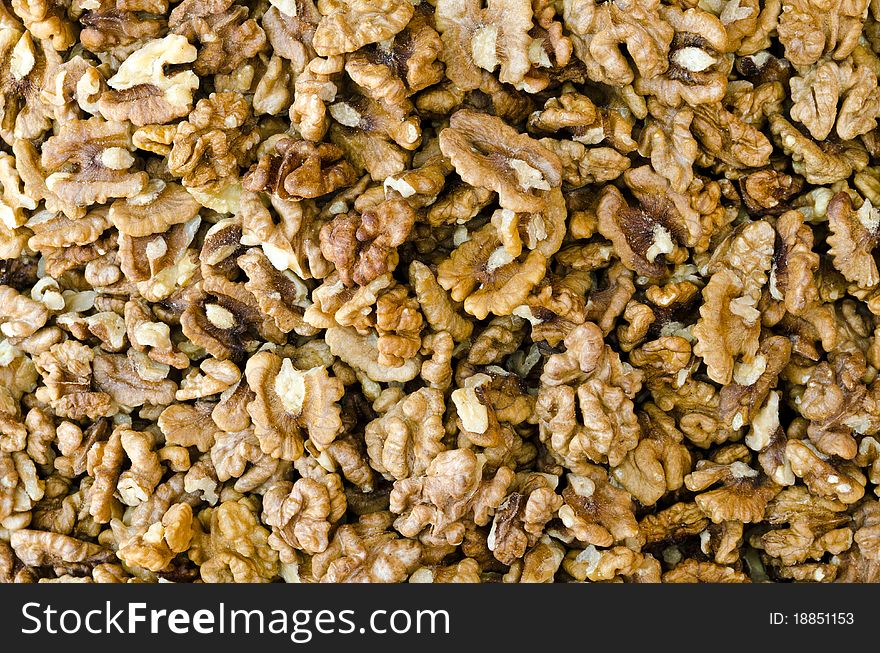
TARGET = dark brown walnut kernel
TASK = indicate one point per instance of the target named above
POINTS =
(226, 35)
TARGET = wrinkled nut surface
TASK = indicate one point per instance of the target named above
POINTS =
(445, 291)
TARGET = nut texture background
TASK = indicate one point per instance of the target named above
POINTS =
(439, 291)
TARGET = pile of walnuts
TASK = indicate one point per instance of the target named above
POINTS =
(433, 291)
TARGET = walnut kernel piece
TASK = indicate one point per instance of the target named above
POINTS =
(142, 93)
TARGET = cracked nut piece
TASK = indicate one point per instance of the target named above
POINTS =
(348, 26)
(141, 91)
(235, 548)
(290, 402)
(403, 441)
(488, 153)
(743, 496)
(300, 169)
(454, 487)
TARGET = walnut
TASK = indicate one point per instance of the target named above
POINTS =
(362, 353)
(280, 294)
(694, 571)
(729, 324)
(858, 564)
(599, 31)
(399, 324)
(226, 35)
(679, 214)
(236, 547)
(117, 376)
(475, 263)
(659, 462)
(160, 206)
(596, 512)
(22, 489)
(346, 27)
(89, 162)
(679, 521)
(393, 69)
(14, 204)
(46, 20)
(488, 402)
(138, 482)
(236, 455)
(459, 203)
(741, 400)
(66, 370)
(539, 565)
(313, 88)
(475, 39)
(301, 514)
(27, 70)
(433, 505)
(14, 434)
(289, 401)
(854, 234)
(300, 169)
(486, 152)
(825, 479)
(730, 140)
(668, 142)
(142, 93)
(43, 548)
(214, 142)
(290, 31)
(866, 522)
(837, 405)
(421, 186)
(817, 92)
(556, 305)
(159, 263)
(606, 564)
(364, 246)
(439, 311)
(743, 496)
(582, 165)
(403, 442)
(104, 463)
(798, 543)
(807, 30)
(376, 122)
(336, 305)
(466, 571)
(639, 238)
(226, 320)
(697, 71)
(157, 545)
(437, 369)
(696, 406)
(521, 518)
(20, 315)
(589, 375)
(823, 163)
(367, 551)
(587, 123)
(188, 426)
(292, 243)
(372, 149)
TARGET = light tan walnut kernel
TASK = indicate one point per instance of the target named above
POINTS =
(142, 93)
(290, 403)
